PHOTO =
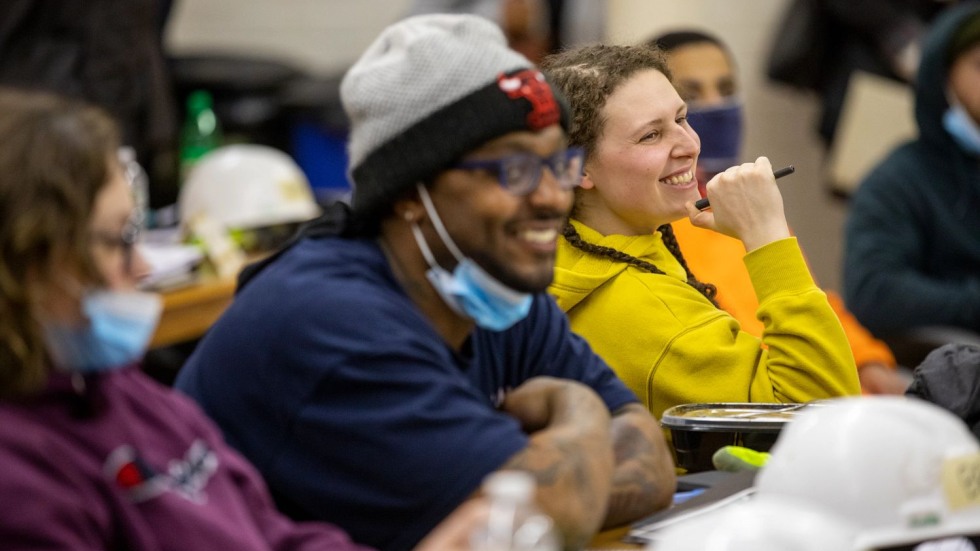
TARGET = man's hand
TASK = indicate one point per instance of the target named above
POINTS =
(538, 401)
(569, 453)
(745, 204)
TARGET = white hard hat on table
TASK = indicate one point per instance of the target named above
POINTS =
(247, 186)
(903, 470)
(759, 524)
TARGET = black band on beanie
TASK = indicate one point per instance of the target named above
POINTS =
(428, 147)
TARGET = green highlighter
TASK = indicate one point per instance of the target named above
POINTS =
(737, 458)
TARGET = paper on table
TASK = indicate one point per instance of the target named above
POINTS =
(170, 264)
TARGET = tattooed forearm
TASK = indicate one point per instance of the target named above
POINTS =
(569, 453)
(574, 480)
(644, 478)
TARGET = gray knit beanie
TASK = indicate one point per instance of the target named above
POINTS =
(430, 89)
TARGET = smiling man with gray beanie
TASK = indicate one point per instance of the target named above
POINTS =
(403, 348)
(452, 94)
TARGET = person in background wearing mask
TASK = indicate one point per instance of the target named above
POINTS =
(95, 454)
(622, 279)
(403, 347)
(912, 238)
(704, 75)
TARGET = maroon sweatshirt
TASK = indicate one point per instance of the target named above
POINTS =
(130, 464)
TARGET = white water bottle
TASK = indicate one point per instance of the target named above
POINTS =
(514, 522)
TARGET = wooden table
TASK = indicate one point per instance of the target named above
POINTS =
(189, 311)
(612, 539)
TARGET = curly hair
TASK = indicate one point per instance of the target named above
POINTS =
(587, 76)
(53, 163)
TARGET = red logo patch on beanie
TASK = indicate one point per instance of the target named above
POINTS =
(531, 85)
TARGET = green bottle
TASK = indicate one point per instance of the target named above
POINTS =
(201, 132)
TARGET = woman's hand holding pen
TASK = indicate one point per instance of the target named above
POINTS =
(745, 204)
(703, 203)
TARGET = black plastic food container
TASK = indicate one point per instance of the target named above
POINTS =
(699, 430)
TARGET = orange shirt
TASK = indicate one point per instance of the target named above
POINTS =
(716, 258)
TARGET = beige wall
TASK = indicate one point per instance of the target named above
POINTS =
(319, 35)
(326, 35)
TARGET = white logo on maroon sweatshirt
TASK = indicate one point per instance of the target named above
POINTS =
(186, 477)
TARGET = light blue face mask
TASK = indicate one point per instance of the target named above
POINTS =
(118, 329)
(963, 128)
(470, 291)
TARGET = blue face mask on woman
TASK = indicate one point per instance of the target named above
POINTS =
(720, 129)
(118, 328)
(469, 290)
(963, 128)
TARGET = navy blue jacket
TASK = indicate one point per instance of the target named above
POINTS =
(912, 254)
(329, 379)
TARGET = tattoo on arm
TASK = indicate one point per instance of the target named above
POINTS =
(568, 452)
(644, 478)
(573, 484)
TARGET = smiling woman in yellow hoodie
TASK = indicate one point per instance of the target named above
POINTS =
(621, 277)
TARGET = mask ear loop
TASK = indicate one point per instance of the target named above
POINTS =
(437, 223)
(423, 246)
(434, 268)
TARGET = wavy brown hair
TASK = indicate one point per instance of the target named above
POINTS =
(587, 76)
(53, 163)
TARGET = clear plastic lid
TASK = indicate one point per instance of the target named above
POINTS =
(729, 416)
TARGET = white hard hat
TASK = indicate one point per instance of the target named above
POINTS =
(760, 524)
(902, 469)
(247, 186)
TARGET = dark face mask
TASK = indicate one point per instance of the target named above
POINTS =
(720, 130)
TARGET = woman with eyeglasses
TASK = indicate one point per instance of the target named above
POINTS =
(622, 279)
(93, 454)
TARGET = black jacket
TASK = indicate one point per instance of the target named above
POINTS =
(950, 378)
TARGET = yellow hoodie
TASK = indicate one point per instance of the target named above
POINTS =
(671, 346)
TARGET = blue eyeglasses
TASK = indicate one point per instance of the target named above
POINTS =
(520, 174)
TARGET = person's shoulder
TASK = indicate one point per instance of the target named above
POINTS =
(44, 431)
(630, 301)
(132, 384)
(349, 279)
(637, 289)
(911, 162)
(910, 177)
(155, 402)
(24, 426)
(336, 254)
(326, 270)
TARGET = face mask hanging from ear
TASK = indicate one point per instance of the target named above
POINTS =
(720, 130)
(469, 290)
(118, 329)
(963, 128)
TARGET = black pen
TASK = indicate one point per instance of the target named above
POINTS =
(702, 204)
